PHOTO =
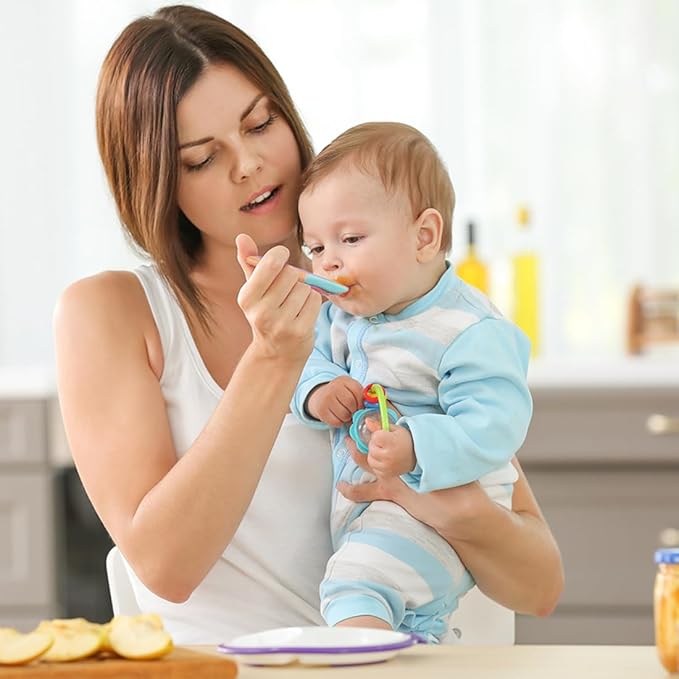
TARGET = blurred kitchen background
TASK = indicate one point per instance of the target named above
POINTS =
(567, 109)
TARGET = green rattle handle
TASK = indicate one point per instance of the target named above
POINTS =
(377, 391)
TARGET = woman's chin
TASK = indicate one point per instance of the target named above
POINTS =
(267, 239)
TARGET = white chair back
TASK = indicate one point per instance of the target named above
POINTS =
(123, 600)
(482, 622)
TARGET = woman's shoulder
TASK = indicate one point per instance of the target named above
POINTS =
(106, 295)
(108, 309)
(107, 314)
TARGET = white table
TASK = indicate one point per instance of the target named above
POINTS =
(486, 662)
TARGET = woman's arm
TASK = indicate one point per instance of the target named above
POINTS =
(173, 518)
(511, 554)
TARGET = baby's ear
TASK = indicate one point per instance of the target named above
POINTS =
(429, 227)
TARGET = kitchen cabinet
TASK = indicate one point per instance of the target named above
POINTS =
(27, 532)
(608, 487)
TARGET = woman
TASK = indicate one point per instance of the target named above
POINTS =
(175, 380)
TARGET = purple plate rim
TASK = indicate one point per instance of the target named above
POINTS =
(411, 640)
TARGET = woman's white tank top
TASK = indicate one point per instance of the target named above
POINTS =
(269, 574)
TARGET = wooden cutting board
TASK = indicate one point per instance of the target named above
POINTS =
(180, 664)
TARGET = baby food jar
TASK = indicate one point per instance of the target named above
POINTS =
(666, 607)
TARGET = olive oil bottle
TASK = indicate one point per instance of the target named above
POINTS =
(526, 275)
(471, 269)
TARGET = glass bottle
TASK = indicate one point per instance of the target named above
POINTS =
(666, 607)
(526, 278)
(471, 269)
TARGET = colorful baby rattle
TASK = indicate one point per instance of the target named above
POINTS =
(377, 409)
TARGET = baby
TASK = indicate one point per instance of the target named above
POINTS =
(376, 211)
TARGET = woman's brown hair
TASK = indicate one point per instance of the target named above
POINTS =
(147, 71)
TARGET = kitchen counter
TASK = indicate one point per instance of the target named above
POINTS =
(625, 372)
(38, 382)
(27, 382)
(594, 379)
(487, 662)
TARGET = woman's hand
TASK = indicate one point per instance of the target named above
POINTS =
(280, 310)
(443, 510)
(511, 554)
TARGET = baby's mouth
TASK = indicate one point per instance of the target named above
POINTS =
(345, 280)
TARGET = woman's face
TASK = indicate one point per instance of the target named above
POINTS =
(239, 161)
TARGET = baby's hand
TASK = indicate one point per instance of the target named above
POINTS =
(390, 453)
(335, 402)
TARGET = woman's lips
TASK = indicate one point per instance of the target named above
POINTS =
(266, 205)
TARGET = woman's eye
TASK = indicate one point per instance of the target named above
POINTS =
(262, 126)
(201, 165)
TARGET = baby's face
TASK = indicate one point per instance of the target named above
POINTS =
(362, 236)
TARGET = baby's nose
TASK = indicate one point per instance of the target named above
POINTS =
(331, 263)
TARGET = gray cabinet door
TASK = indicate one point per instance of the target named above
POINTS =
(22, 432)
(606, 521)
(26, 539)
(601, 426)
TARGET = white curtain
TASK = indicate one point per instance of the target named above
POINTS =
(568, 106)
(572, 107)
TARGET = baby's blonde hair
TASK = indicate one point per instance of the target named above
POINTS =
(403, 159)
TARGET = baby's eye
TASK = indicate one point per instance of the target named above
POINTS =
(351, 239)
(313, 250)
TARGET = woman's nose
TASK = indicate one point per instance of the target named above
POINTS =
(248, 162)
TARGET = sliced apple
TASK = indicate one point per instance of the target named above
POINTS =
(139, 637)
(18, 649)
(105, 642)
(74, 639)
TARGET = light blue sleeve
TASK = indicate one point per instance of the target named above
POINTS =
(318, 370)
(484, 395)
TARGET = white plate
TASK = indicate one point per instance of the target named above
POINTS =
(319, 646)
